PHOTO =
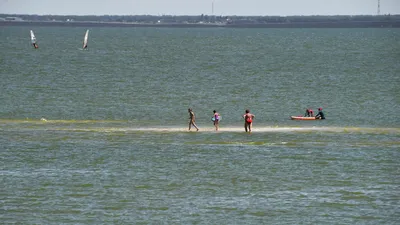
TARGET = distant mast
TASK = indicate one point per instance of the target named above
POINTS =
(212, 12)
(212, 8)
(379, 7)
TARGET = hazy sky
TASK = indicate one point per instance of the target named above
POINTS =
(197, 7)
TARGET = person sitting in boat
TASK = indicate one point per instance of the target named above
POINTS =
(320, 114)
(35, 45)
(309, 113)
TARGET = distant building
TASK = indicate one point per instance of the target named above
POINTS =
(12, 18)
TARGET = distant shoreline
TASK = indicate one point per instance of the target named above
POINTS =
(340, 24)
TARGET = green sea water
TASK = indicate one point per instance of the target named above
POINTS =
(113, 145)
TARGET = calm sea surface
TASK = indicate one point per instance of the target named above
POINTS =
(114, 148)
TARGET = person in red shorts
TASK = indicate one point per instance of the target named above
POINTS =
(248, 121)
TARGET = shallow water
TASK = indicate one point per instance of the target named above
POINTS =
(113, 146)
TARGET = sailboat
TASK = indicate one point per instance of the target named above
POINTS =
(85, 39)
(33, 40)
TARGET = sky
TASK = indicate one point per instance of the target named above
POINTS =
(198, 7)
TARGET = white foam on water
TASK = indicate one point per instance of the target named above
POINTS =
(126, 126)
(241, 129)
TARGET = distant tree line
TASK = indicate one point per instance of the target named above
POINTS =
(169, 19)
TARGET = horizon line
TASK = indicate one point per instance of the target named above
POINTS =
(27, 14)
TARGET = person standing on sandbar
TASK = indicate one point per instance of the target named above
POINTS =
(192, 119)
(216, 118)
(248, 121)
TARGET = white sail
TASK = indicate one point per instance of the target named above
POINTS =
(33, 38)
(85, 39)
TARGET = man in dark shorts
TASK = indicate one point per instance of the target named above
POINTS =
(307, 114)
(320, 114)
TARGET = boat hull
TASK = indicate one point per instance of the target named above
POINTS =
(302, 118)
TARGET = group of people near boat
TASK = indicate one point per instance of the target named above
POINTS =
(248, 120)
(310, 113)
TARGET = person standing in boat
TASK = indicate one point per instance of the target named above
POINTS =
(248, 121)
(192, 119)
(215, 119)
(320, 114)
